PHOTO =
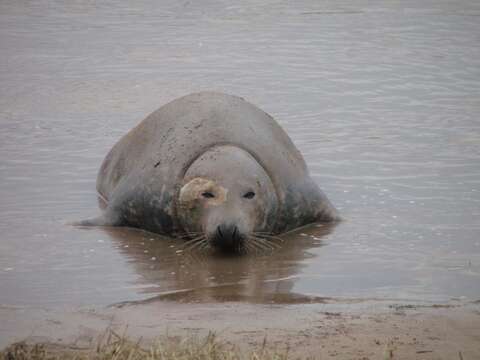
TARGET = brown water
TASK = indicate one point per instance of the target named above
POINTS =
(382, 98)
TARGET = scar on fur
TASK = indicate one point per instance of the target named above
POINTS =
(192, 190)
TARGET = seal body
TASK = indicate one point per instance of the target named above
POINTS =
(212, 164)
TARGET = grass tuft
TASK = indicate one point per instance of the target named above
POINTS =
(112, 346)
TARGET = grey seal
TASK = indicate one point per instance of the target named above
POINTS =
(211, 167)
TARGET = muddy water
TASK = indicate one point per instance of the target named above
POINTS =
(382, 98)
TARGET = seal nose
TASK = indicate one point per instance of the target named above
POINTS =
(226, 232)
(227, 236)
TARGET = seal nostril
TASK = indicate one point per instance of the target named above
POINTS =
(219, 232)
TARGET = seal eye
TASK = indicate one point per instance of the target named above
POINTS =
(249, 195)
(208, 195)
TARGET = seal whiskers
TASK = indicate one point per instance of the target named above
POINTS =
(188, 235)
(261, 243)
(195, 242)
(201, 244)
(267, 236)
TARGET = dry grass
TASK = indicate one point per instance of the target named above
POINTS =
(112, 346)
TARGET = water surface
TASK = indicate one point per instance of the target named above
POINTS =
(382, 98)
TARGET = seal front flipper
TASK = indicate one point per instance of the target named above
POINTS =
(106, 219)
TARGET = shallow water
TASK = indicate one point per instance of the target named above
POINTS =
(382, 98)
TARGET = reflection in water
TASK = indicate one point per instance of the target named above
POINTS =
(191, 276)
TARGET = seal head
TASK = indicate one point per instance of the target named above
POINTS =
(226, 198)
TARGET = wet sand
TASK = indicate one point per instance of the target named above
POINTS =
(370, 330)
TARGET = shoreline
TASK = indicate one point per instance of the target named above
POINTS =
(371, 330)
